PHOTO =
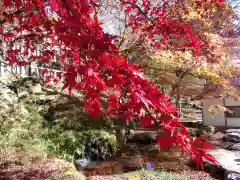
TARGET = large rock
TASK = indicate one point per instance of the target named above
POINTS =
(104, 168)
(232, 137)
(36, 89)
(232, 131)
(229, 161)
(143, 136)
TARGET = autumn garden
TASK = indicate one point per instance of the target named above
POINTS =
(111, 89)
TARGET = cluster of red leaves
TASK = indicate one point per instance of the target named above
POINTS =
(86, 53)
(152, 19)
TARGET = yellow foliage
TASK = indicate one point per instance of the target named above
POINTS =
(167, 66)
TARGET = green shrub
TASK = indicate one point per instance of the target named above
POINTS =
(24, 128)
(66, 143)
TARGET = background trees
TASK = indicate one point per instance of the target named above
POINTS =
(183, 71)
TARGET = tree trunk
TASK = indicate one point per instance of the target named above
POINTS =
(121, 139)
(29, 69)
(178, 99)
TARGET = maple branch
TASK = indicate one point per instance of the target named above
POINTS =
(188, 72)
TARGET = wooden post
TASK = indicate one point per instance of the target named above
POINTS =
(29, 69)
(225, 118)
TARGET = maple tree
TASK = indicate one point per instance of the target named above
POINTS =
(71, 31)
(184, 76)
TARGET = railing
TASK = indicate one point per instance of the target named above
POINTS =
(24, 70)
(31, 70)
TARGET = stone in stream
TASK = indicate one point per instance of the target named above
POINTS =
(231, 176)
(234, 147)
(150, 165)
(232, 135)
(82, 163)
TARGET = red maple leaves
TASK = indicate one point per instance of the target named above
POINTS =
(151, 21)
(87, 53)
